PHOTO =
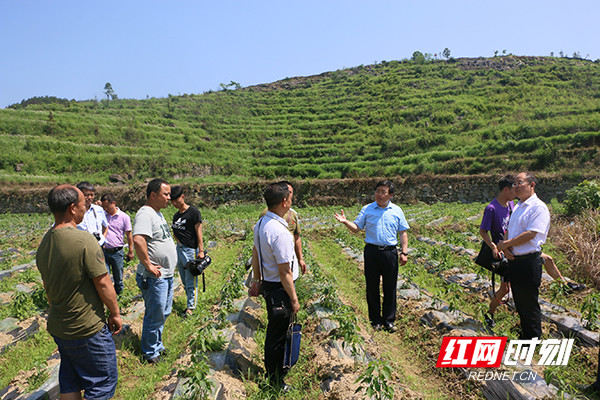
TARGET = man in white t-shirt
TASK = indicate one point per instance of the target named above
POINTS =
(156, 251)
(527, 231)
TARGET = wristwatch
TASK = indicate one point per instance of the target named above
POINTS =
(403, 253)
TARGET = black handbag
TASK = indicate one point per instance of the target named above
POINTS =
(486, 259)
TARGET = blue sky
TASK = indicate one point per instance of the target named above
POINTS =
(71, 48)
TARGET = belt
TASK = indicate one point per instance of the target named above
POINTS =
(267, 286)
(382, 248)
(527, 256)
(113, 250)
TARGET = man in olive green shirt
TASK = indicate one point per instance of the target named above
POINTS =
(77, 284)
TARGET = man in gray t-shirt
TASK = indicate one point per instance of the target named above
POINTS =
(156, 251)
(161, 250)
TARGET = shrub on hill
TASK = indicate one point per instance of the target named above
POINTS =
(582, 197)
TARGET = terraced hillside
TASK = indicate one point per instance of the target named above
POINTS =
(440, 293)
(460, 116)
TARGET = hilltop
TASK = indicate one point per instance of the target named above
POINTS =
(457, 116)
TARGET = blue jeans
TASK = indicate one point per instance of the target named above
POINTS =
(158, 299)
(88, 364)
(115, 261)
(189, 281)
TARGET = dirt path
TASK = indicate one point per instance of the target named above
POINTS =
(412, 351)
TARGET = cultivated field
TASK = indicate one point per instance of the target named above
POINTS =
(219, 349)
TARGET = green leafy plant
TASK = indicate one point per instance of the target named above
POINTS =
(40, 375)
(199, 385)
(451, 293)
(29, 275)
(209, 340)
(584, 196)
(22, 306)
(39, 297)
(374, 381)
(558, 290)
(590, 311)
(347, 330)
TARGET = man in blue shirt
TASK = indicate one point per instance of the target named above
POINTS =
(382, 221)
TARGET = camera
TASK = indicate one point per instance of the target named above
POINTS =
(96, 235)
(198, 266)
(501, 266)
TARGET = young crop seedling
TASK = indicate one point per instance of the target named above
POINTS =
(590, 311)
(374, 381)
(22, 306)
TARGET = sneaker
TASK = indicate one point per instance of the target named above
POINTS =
(154, 360)
(188, 312)
(285, 388)
(164, 352)
(391, 328)
(573, 287)
(489, 320)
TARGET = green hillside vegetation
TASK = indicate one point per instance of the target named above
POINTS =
(463, 116)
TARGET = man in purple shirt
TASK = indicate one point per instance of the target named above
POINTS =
(495, 221)
(119, 226)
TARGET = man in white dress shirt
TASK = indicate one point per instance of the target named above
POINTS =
(527, 231)
(94, 221)
(274, 266)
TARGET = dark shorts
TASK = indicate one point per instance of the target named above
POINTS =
(88, 364)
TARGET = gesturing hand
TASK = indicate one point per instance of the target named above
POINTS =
(341, 217)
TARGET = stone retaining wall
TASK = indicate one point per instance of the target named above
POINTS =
(342, 192)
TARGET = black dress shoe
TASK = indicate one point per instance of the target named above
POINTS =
(592, 389)
(377, 327)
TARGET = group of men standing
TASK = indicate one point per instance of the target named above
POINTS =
(79, 289)
(75, 258)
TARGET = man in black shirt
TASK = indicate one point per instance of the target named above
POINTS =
(187, 228)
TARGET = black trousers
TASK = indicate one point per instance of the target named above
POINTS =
(381, 266)
(279, 313)
(525, 276)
